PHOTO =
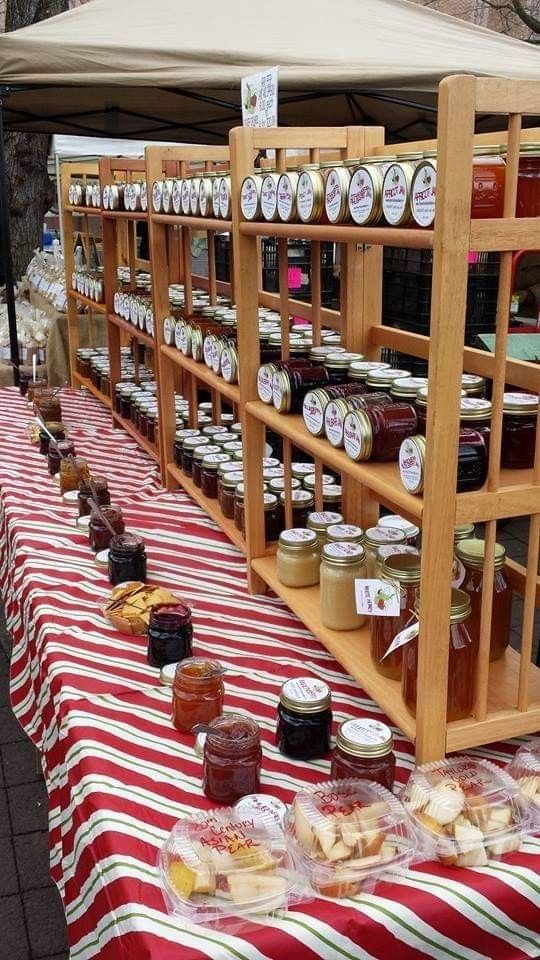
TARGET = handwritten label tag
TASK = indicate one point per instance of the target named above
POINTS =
(377, 598)
(404, 636)
(260, 98)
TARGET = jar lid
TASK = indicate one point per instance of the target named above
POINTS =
(232, 479)
(422, 395)
(212, 461)
(168, 673)
(463, 531)
(305, 695)
(385, 377)
(196, 440)
(393, 549)
(332, 492)
(321, 520)
(341, 552)
(205, 449)
(364, 738)
(302, 470)
(520, 403)
(299, 498)
(472, 552)
(345, 532)
(270, 501)
(278, 484)
(399, 523)
(470, 381)
(101, 558)
(341, 359)
(182, 435)
(310, 480)
(271, 473)
(70, 496)
(475, 408)
(211, 429)
(83, 522)
(361, 368)
(407, 386)
(318, 353)
(460, 605)
(229, 466)
(402, 567)
(377, 535)
(297, 539)
(487, 150)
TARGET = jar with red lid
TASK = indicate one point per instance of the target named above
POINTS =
(64, 448)
(86, 494)
(336, 411)
(404, 570)
(378, 432)
(289, 387)
(198, 693)
(199, 453)
(170, 634)
(472, 462)
(364, 751)
(265, 375)
(528, 185)
(520, 413)
(232, 758)
(209, 476)
(99, 534)
(470, 554)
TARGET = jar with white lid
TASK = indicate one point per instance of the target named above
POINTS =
(310, 193)
(341, 564)
(396, 190)
(374, 538)
(344, 533)
(157, 192)
(359, 369)
(365, 190)
(520, 413)
(177, 196)
(406, 388)
(410, 530)
(319, 521)
(382, 378)
(194, 185)
(302, 469)
(286, 196)
(297, 558)
(473, 385)
(336, 194)
(225, 210)
(250, 197)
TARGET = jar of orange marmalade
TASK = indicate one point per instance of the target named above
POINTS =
(197, 692)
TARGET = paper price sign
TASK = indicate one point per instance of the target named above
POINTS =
(377, 598)
(260, 99)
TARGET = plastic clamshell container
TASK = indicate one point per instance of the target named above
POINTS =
(525, 770)
(345, 835)
(467, 811)
(218, 864)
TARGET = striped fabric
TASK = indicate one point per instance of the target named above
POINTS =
(119, 775)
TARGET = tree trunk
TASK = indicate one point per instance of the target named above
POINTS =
(30, 191)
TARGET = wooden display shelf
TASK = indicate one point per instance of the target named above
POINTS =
(92, 211)
(125, 214)
(211, 507)
(147, 446)
(195, 223)
(133, 331)
(201, 372)
(91, 304)
(85, 382)
(341, 233)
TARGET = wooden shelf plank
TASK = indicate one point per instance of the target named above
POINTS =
(342, 233)
(91, 211)
(211, 507)
(520, 233)
(349, 647)
(201, 372)
(91, 304)
(85, 382)
(150, 448)
(125, 214)
(131, 330)
(196, 223)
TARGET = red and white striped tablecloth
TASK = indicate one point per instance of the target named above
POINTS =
(119, 775)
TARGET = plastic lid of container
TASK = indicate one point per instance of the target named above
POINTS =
(525, 769)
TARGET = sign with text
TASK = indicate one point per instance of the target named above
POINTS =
(260, 99)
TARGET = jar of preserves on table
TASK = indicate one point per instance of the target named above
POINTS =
(337, 410)
(404, 571)
(286, 196)
(380, 377)
(396, 190)
(378, 432)
(365, 190)
(337, 365)
(209, 468)
(99, 533)
(298, 558)
(100, 493)
(56, 430)
(336, 193)
(198, 693)
(315, 403)
(520, 413)
(489, 170)
(470, 554)
(289, 386)
(127, 558)
(170, 634)
(273, 517)
(342, 564)
(47, 405)
(232, 758)
(364, 751)
(227, 484)
(57, 452)
(304, 724)
(72, 471)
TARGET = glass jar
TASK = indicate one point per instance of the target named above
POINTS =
(364, 751)
(227, 484)
(56, 430)
(488, 183)
(179, 438)
(199, 453)
(273, 517)
(475, 413)
(302, 502)
(378, 432)
(365, 190)
(35, 387)
(403, 570)
(198, 693)
(344, 533)
(319, 521)
(471, 554)
(286, 196)
(170, 634)
(406, 388)
(315, 403)
(421, 403)
(310, 481)
(337, 365)
(57, 451)
(239, 511)
(359, 369)
(127, 558)
(209, 478)
(310, 193)
(302, 469)
(72, 471)
(289, 386)
(392, 550)
(86, 494)
(336, 194)
(376, 537)
(99, 534)
(250, 197)
(189, 446)
(520, 412)
(265, 375)
(304, 724)
(381, 378)
(396, 191)
(472, 463)
(232, 758)
(461, 663)
(298, 558)
(528, 185)
(47, 405)
(473, 385)
(342, 564)
(278, 485)
(410, 530)
(332, 497)
(269, 196)
(336, 411)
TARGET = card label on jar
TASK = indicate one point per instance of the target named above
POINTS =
(216, 183)
(313, 413)
(285, 198)
(305, 689)
(157, 191)
(203, 199)
(249, 199)
(475, 403)
(194, 196)
(352, 439)
(423, 192)
(377, 598)
(226, 364)
(217, 349)
(333, 197)
(207, 350)
(305, 197)
(149, 322)
(184, 339)
(395, 195)
(411, 466)
(168, 330)
(361, 196)
(144, 196)
(184, 191)
(277, 393)
(269, 198)
(404, 636)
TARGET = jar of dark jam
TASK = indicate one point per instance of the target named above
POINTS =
(403, 570)
(336, 411)
(179, 438)
(151, 425)
(170, 634)
(199, 454)
(332, 497)
(239, 511)
(64, 448)
(57, 430)
(473, 385)
(127, 558)
(382, 378)
(364, 751)
(304, 723)
(188, 448)
(289, 387)
(86, 494)
(470, 554)
(337, 365)
(471, 468)
(34, 388)
(232, 758)
(378, 432)
(421, 403)
(316, 401)
(227, 484)
(520, 412)
(475, 414)
(273, 517)
(302, 503)
(198, 693)
(209, 475)
(99, 535)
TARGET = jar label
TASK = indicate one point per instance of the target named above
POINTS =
(305, 197)
(277, 392)
(144, 196)
(303, 469)
(395, 194)
(459, 572)
(269, 198)
(361, 196)
(377, 598)
(423, 192)
(226, 364)
(270, 473)
(365, 366)
(352, 439)
(404, 636)
(383, 535)
(184, 339)
(285, 198)
(333, 196)
(365, 731)
(177, 196)
(313, 413)
(203, 199)
(194, 196)
(249, 199)
(399, 523)
(270, 499)
(301, 496)
(345, 530)
(185, 195)
(298, 534)
(471, 380)
(215, 196)
(333, 424)
(411, 465)
(207, 350)
(475, 403)
(217, 348)
(178, 334)
(305, 690)
(149, 322)
(343, 549)
(216, 458)
(224, 198)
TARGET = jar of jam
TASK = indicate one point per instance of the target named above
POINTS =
(189, 446)
(364, 751)
(392, 550)
(265, 375)
(239, 512)
(302, 469)
(304, 725)
(421, 403)
(319, 521)
(365, 190)
(56, 430)
(289, 387)
(344, 533)
(336, 193)
(86, 494)
(475, 413)
(127, 558)
(170, 634)
(310, 193)
(99, 534)
(57, 451)
(336, 411)
(520, 412)
(396, 190)
(381, 378)
(337, 365)
(286, 196)
(199, 453)
(376, 537)
(332, 497)
(302, 502)
(405, 389)
(411, 531)
(472, 463)
(470, 553)
(489, 171)
(179, 438)
(310, 481)
(342, 564)
(473, 385)
(35, 387)
(461, 663)
(298, 558)
(227, 484)
(315, 403)
(250, 197)
(72, 471)
(528, 192)
(232, 758)
(359, 369)
(47, 405)
(273, 517)
(269, 196)
(198, 693)
(209, 468)
(403, 570)
(377, 433)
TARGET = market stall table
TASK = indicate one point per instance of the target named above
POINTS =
(118, 773)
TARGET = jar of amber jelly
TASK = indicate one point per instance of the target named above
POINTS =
(127, 558)
(298, 559)
(341, 564)
(472, 462)
(462, 654)
(392, 550)
(489, 171)
(471, 554)
(377, 433)
(198, 693)
(528, 185)
(99, 534)
(232, 758)
(520, 412)
(72, 471)
(402, 570)
(57, 451)
(304, 725)
(170, 634)
(364, 751)
(86, 494)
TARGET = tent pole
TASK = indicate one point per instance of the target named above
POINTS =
(7, 261)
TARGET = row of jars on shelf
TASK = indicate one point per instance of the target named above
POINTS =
(136, 308)
(84, 195)
(194, 196)
(125, 196)
(89, 284)
(93, 364)
(400, 191)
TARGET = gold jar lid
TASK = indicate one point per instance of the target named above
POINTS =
(475, 408)
(305, 695)
(463, 531)
(460, 605)
(429, 154)
(402, 567)
(520, 404)
(341, 553)
(352, 162)
(321, 520)
(376, 536)
(410, 155)
(298, 540)
(301, 469)
(364, 738)
(422, 396)
(487, 150)
(345, 533)
(472, 552)
(270, 501)
(341, 360)
(473, 384)
(277, 484)
(529, 148)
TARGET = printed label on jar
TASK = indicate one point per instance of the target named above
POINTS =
(166, 196)
(168, 330)
(470, 380)
(185, 197)
(203, 199)
(325, 517)
(217, 348)
(144, 197)
(345, 530)
(277, 393)
(365, 731)
(215, 196)
(394, 194)
(411, 465)
(301, 496)
(177, 197)
(141, 315)
(305, 197)
(333, 424)
(475, 403)
(423, 192)
(305, 690)
(361, 196)
(178, 334)
(377, 598)
(404, 636)
(302, 469)
(249, 199)
(313, 413)
(226, 364)
(194, 196)
(285, 198)
(216, 458)
(207, 350)
(157, 190)
(224, 198)
(149, 322)
(352, 440)
(366, 366)
(383, 534)
(333, 196)
(184, 339)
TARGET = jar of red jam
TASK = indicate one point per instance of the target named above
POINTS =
(471, 467)
(232, 758)
(336, 411)
(302, 503)
(64, 448)
(528, 185)
(198, 693)
(56, 430)
(127, 558)
(421, 403)
(470, 553)
(199, 453)
(304, 724)
(273, 517)
(475, 413)
(520, 412)
(364, 751)
(265, 375)
(378, 432)
(209, 476)
(289, 387)
(227, 484)
(316, 401)
(337, 365)
(489, 171)
(404, 570)
(189, 446)
(99, 534)
(170, 634)
(86, 494)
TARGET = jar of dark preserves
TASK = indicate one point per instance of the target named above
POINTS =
(56, 430)
(239, 511)
(364, 751)
(170, 634)
(199, 454)
(273, 517)
(302, 503)
(304, 723)
(265, 376)
(99, 534)
(470, 554)
(520, 412)
(289, 387)
(227, 484)
(471, 467)
(336, 411)
(127, 558)
(209, 476)
(86, 494)
(188, 448)
(421, 403)
(47, 405)
(64, 448)
(315, 403)
(337, 365)
(378, 432)
(179, 438)
(232, 758)
(475, 414)
(197, 693)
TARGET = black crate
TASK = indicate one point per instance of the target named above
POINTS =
(299, 261)
(222, 246)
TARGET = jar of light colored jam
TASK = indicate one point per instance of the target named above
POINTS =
(342, 564)
(364, 751)
(198, 693)
(304, 723)
(471, 554)
(298, 558)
